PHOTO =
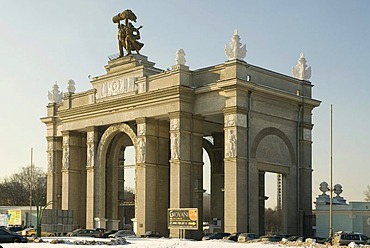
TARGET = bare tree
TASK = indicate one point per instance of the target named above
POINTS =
(272, 221)
(16, 189)
(367, 193)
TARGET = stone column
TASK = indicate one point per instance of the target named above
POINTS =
(305, 175)
(54, 173)
(186, 174)
(217, 179)
(74, 176)
(254, 198)
(151, 176)
(290, 202)
(163, 176)
(92, 140)
(236, 186)
(261, 202)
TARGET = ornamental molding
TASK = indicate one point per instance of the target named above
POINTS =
(107, 137)
(239, 120)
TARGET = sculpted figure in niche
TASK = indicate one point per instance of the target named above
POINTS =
(50, 157)
(231, 144)
(141, 150)
(66, 152)
(66, 157)
(90, 149)
(128, 35)
(90, 154)
(175, 145)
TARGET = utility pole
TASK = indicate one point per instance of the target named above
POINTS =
(31, 179)
(331, 174)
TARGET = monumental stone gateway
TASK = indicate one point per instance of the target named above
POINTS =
(248, 119)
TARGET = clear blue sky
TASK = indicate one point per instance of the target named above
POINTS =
(43, 41)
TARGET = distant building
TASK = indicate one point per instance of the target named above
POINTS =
(352, 216)
(17, 216)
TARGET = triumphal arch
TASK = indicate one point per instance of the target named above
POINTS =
(250, 120)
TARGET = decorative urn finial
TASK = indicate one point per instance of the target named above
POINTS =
(71, 86)
(301, 71)
(338, 189)
(324, 187)
(55, 96)
(180, 57)
(235, 49)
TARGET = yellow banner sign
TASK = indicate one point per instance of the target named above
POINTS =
(14, 217)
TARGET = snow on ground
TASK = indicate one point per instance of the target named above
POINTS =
(152, 243)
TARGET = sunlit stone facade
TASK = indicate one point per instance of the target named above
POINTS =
(255, 121)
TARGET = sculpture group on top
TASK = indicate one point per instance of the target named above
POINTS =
(128, 35)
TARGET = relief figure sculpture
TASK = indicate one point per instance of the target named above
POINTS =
(50, 157)
(175, 145)
(231, 144)
(141, 152)
(66, 158)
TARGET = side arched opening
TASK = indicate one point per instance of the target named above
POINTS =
(273, 152)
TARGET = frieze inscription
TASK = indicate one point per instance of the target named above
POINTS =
(115, 87)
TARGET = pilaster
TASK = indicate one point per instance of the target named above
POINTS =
(152, 180)
(54, 174)
(186, 174)
(290, 211)
(74, 175)
(236, 186)
(92, 142)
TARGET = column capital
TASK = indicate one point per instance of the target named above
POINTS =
(235, 110)
(92, 129)
(180, 114)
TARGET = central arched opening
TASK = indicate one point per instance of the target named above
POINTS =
(120, 193)
(110, 173)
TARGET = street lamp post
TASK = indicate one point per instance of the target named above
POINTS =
(39, 214)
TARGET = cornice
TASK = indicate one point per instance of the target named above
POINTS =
(125, 102)
(234, 84)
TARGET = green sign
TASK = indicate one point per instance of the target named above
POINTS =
(183, 218)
